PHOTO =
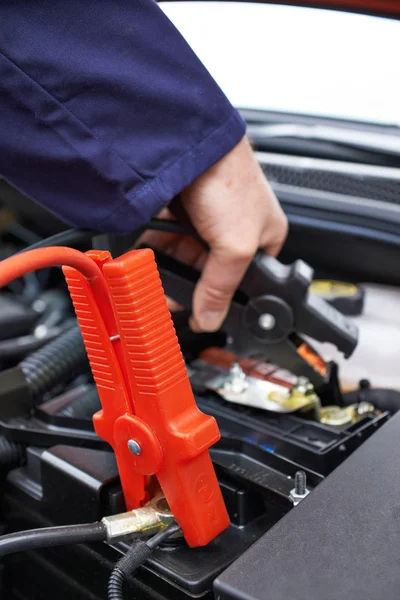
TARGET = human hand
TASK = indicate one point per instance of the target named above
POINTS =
(235, 211)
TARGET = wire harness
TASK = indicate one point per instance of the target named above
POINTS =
(134, 558)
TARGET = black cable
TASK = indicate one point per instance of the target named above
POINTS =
(58, 360)
(161, 536)
(133, 559)
(23, 345)
(51, 323)
(24, 234)
(69, 237)
(167, 226)
(52, 536)
(31, 286)
(53, 306)
(180, 213)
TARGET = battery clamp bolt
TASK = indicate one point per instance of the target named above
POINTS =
(300, 491)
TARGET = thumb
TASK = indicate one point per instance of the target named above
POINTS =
(221, 275)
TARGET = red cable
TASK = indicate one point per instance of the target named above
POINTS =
(41, 258)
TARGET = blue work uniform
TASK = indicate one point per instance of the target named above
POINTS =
(105, 111)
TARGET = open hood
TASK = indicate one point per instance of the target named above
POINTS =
(380, 7)
(385, 8)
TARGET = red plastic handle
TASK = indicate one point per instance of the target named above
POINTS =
(146, 394)
(163, 396)
(97, 323)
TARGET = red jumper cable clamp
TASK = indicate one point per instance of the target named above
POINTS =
(149, 415)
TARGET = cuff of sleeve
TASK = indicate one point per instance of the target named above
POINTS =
(140, 205)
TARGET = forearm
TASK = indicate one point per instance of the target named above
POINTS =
(105, 112)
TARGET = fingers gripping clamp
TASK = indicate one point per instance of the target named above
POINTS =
(145, 392)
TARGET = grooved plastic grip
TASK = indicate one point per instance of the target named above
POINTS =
(114, 396)
(163, 397)
(145, 392)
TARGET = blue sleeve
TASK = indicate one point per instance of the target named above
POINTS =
(105, 111)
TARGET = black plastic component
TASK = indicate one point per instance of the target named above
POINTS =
(58, 362)
(350, 301)
(274, 307)
(317, 447)
(312, 316)
(279, 293)
(11, 454)
(16, 318)
(341, 541)
(385, 400)
(15, 394)
(192, 343)
(66, 485)
(268, 475)
(244, 505)
(86, 477)
(256, 461)
(266, 275)
(79, 403)
(47, 426)
(353, 249)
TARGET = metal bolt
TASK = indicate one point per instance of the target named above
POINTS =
(236, 371)
(134, 447)
(303, 386)
(364, 408)
(300, 483)
(266, 321)
(300, 490)
(236, 381)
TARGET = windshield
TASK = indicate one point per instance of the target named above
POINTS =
(297, 60)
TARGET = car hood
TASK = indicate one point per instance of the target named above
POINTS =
(385, 8)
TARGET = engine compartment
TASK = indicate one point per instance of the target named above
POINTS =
(70, 477)
(56, 471)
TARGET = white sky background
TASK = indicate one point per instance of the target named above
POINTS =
(295, 59)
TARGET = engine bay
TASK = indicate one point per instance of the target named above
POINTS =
(286, 423)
